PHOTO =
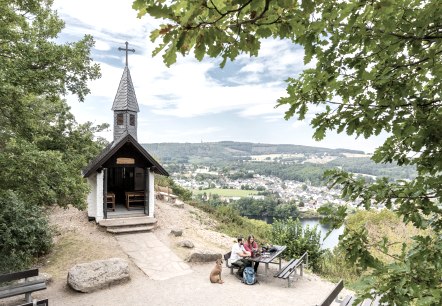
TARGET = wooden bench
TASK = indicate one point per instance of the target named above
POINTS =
(226, 260)
(333, 295)
(110, 199)
(291, 267)
(134, 197)
(169, 197)
(26, 287)
(348, 300)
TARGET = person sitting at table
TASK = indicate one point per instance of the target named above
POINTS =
(238, 256)
(251, 246)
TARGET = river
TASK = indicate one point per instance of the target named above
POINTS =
(332, 240)
(329, 243)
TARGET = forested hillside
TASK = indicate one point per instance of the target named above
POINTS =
(215, 152)
(288, 162)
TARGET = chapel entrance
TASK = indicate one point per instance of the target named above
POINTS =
(127, 185)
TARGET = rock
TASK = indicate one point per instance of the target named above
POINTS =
(177, 232)
(203, 256)
(178, 205)
(186, 244)
(98, 274)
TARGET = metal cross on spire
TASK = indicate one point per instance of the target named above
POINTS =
(127, 50)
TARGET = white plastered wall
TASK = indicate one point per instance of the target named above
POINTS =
(95, 196)
(99, 197)
(151, 194)
(92, 181)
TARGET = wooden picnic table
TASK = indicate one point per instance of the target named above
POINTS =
(270, 259)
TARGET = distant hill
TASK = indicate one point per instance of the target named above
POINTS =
(288, 162)
(216, 152)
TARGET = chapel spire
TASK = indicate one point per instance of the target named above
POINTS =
(125, 104)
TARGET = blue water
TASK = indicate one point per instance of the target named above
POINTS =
(332, 240)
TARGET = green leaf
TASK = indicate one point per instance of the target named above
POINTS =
(264, 32)
(200, 51)
(159, 11)
(170, 56)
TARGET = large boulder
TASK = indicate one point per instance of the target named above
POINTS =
(203, 256)
(98, 274)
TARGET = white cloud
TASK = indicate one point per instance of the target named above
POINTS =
(102, 45)
(112, 16)
(253, 67)
(299, 123)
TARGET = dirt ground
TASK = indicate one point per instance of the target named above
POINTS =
(79, 241)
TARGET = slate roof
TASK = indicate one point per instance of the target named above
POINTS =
(125, 99)
(113, 147)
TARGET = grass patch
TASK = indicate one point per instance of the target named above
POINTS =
(226, 192)
(71, 249)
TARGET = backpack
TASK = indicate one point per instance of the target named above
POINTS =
(248, 276)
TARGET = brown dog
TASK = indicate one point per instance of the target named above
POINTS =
(215, 275)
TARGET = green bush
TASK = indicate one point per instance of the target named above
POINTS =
(183, 193)
(25, 233)
(298, 240)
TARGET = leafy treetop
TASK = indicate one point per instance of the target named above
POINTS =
(42, 147)
(378, 68)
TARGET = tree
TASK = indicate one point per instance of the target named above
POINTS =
(289, 232)
(378, 68)
(42, 147)
(286, 210)
(26, 237)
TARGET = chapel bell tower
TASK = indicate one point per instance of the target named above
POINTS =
(125, 104)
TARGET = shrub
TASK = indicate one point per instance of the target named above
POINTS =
(298, 240)
(25, 233)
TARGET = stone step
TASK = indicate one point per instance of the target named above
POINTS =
(125, 222)
(130, 229)
(125, 216)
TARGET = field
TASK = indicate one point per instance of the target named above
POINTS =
(227, 192)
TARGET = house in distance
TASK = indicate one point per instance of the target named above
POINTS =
(121, 177)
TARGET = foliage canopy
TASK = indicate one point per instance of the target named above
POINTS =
(378, 67)
(25, 236)
(289, 232)
(42, 147)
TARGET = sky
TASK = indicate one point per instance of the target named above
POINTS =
(191, 101)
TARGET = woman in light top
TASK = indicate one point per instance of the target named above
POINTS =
(251, 246)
